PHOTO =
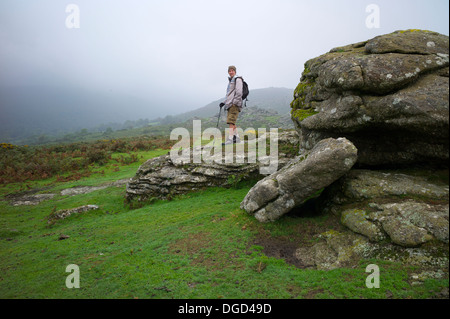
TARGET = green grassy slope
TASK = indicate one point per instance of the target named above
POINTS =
(200, 245)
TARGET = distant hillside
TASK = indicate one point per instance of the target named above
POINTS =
(37, 115)
(276, 99)
(26, 111)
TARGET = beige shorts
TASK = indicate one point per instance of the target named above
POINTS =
(233, 113)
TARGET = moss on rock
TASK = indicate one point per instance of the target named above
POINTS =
(358, 221)
(302, 114)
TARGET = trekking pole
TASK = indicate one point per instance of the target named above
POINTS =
(217, 126)
(218, 118)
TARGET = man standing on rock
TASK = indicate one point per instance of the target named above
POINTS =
(233, 104)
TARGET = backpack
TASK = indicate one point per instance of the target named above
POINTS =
(245, 91)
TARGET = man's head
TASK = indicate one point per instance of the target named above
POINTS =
(231, 70)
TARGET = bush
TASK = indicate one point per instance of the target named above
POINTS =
(22, 163)
(98, 156)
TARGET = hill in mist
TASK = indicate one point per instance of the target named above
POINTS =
(34, 111)
(275, 99)
(27, 111)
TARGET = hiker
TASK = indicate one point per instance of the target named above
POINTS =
(233, 104)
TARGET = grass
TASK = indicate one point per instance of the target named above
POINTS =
(200, 245)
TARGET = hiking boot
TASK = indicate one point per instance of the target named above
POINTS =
(229, 141)
(234, 140)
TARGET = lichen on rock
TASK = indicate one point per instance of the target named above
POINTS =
(388, 95)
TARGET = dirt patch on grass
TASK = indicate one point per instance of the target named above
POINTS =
(311, 294)
(279, 248)
(305, 224)
(206, 251)
(190, 245)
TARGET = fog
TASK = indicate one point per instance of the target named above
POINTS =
(174, 54)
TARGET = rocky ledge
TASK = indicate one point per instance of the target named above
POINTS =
(388, 96)
(162, 178)
(393, 215)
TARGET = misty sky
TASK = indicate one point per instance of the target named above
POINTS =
(180, 49)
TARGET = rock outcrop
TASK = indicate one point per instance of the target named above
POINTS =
(162, 178)
(387, 215)
(64, 213)
(408, 210)
(292, 185)
(388, 95)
